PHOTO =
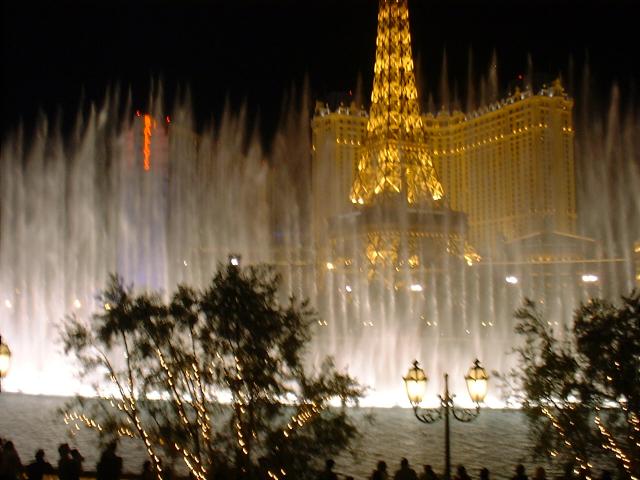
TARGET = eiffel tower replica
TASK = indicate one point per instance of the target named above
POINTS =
(401, 221)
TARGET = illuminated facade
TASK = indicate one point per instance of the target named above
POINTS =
(336, 137)
(508, 166)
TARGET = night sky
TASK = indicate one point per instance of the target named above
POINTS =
(60, 54)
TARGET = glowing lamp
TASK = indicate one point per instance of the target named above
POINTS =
(234, 260)
(589, 278)
(416, 287)
(416, 384)
(477, 382)
(5, 359)
(512, 279)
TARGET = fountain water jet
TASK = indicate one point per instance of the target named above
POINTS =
(73, 212)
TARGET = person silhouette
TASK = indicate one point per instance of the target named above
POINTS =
(11, 466)
(380, 473)
(64, 462)
(405, 472)
(540, 474)
(76, 464)
(110, 465)
(39, 467)
(328, 473)
(147, 471)
(520, 473)
(461, 473)
(428, 473)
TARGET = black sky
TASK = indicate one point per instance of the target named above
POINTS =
(56, 53)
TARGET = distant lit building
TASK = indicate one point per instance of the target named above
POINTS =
(336, 138)
(509, 166)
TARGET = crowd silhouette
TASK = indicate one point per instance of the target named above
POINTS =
(70, 467)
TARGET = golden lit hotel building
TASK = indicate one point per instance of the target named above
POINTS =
(336, 139)
(509, 166)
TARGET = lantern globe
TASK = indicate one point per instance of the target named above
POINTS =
(415, 383)
(5, 359)
(477, 382)
(234, 260)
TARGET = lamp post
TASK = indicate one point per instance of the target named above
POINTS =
(5, 361)
(416, 384)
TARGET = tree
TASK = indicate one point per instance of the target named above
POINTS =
(580, 388)
(162, 373)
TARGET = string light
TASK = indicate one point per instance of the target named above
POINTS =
(583, 464)
(132, 425)
(612, 446)
(181, 411)
(200, 471)
(75, 417)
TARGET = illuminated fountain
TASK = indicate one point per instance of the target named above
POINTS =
(143, 195)
(399, 268)
(124, 196)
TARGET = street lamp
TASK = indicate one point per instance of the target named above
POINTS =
(416, 384)
(234, 260)
(5, 361)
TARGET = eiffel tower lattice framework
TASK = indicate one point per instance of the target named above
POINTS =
(399, 223)
(394, 159)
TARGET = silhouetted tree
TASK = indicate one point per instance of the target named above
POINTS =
(580, 388)
(215, 377)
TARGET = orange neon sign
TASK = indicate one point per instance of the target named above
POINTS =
(146, 148)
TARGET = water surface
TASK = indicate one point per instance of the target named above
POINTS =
(497, 439)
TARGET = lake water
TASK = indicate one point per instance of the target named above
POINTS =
(497, 439)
